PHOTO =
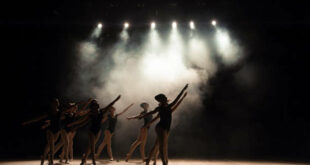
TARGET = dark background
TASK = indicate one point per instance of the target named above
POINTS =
(37, 40)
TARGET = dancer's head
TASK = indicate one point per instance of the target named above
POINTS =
(54, 106)
(161, 98)
(112, 110)
(145, 106)
(94, 106)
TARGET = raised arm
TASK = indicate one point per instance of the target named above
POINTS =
(113, 102)
(35, 119)
(179, 102)
(126, 109)
(179, 96)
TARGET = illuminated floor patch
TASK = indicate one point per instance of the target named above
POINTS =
(171, 162)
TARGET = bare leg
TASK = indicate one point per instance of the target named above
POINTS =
(64, 138)
(134, 145)
(161, 137)
(154, 148)
(71, 144)
(47, 147)
(104, 142)
(109, 147)
(143, 142)
(156, 154)
(165, 145)
(91, 142)
(93, 147)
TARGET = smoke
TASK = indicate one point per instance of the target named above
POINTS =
(139, 70)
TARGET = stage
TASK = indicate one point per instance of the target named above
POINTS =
(171, 162)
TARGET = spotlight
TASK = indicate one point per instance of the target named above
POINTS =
(174, 25)
(192, 25)
(99, 25)
(213, 22)
(153, 25)
(126, 25)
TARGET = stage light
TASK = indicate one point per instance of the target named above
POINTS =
(153, 25)
(213, 22)
(126, 25)
(192, 25)
(174, 25)
(99, 25)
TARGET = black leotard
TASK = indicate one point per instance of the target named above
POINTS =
(55, 124)
(96, 119)
(146, 119)
(112, 123)
(165, 115)
(69, 118)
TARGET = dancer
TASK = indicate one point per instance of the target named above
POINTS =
(142, 137)
(96, 116)
(163, 126)
(108, 133)
(53, 117)
(70, 117)
(155, 153)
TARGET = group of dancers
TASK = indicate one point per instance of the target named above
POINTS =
(65, 122)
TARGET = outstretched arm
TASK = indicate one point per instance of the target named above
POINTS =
(149, 113)
(86, 104)
(179, 96)
(35, 119)
(152, 121)
(179, 102)
(126, 109)
(81, 121)
(113, 102)
(134, 117)
(83, 111)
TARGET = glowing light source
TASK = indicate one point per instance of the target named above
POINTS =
(174, 25)
(192, 25)
(99, 25)
(153, 25)
(213, 22)
(126, 25)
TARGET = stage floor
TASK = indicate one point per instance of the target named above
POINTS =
(171, 162)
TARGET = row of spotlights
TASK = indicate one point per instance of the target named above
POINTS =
(153, 25)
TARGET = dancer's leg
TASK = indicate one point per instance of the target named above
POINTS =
(72, 135)
(160, 135)
(109, 147)
(143, 142)
(102, 145)
(134, 145)
(165, 145)
(154, 148)
(91, 141)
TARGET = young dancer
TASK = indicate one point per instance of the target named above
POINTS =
(155, 150)
(53, 116)
(163, 127)
(70, 117)
(108, 133)
(142, 137)
(96, 116)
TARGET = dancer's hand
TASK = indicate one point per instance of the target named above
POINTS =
(185, 94)
(118, 97)
(185, 87)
